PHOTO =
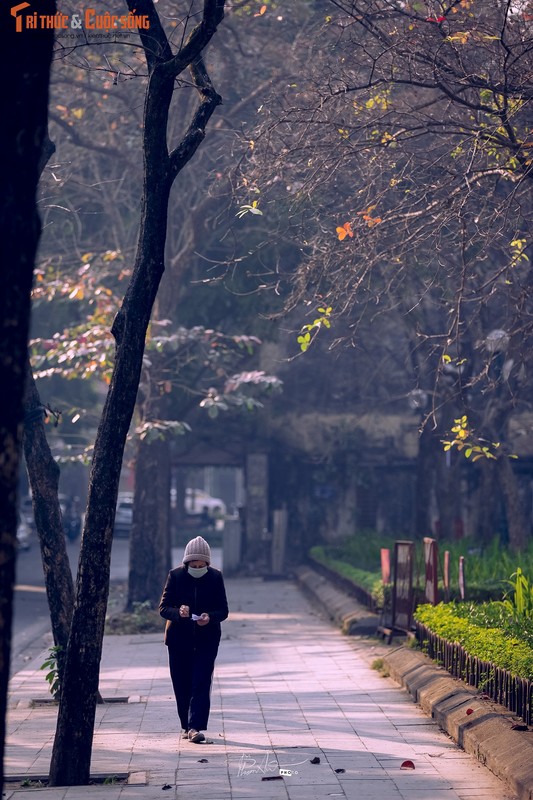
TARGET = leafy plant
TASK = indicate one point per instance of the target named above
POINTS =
(379, 665)
(309, 331)
(466, 440)
(249, 209)
(335, 559)
(52, 676)
(502, 644)
(520, 602)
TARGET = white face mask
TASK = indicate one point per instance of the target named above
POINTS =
(197, 572)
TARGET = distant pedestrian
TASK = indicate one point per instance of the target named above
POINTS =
(194, 604)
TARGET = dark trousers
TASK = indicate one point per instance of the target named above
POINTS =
(192, 673)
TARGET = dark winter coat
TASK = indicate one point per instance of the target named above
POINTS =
(203, 595)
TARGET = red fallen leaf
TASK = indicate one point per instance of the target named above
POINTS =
(469, 711)
(407, 765)
(519, 726)
(435, 19)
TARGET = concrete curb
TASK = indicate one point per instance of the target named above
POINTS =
(351, 617)
(482, 728)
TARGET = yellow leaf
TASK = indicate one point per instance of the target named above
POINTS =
(78, 112)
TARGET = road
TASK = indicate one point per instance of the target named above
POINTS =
(31, 621)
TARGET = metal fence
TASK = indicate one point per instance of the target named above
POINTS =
(500, 685)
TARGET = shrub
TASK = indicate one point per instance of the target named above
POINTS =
(504, 645)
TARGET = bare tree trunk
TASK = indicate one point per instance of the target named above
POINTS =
(25, 58)
(150, 533)
(43, 474)
(448, 494)
(498, 414)
(71, 756)
(425, 476)
(73, 742)
(485, 502)
(514, 510)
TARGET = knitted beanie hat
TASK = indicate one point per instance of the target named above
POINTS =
(197, 550)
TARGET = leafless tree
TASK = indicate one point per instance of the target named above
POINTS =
(401, 156)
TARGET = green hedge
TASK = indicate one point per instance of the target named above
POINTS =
(487, 567)
(495, 644)
(369, 581)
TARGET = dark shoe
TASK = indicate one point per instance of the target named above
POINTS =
(196, 736)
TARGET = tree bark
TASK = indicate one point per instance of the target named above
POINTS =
(485, 502)
(498, 414)
(43, 474)
(514, 510)
(150, 558)
(25, 58)
(71, 754)
(447, 494)
(425, 472)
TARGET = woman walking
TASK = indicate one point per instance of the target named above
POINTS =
(194, 604)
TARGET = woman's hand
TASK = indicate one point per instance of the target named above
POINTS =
(204, 619)
(184, 611)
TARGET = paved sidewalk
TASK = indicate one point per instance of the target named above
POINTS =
(289, 689)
